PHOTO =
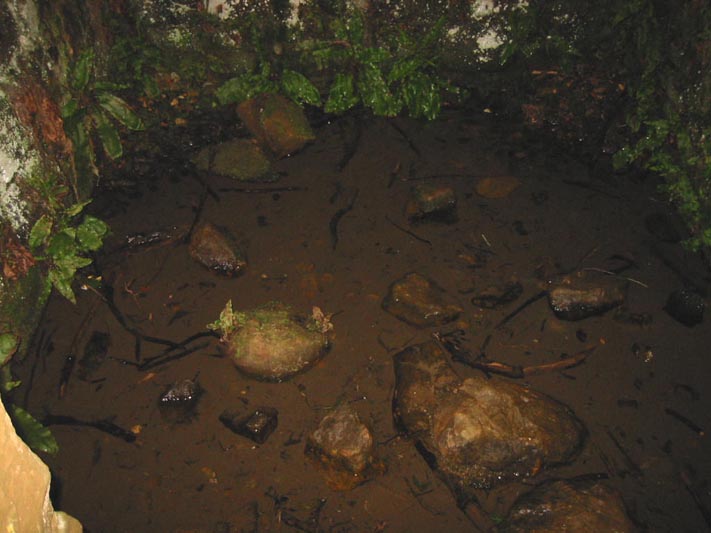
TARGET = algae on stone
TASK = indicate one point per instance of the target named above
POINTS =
(271, 342)
(239, 159)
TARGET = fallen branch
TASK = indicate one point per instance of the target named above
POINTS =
(531, 300)
(336, 218)
(481, 362)
(170, 354)
(262, 190)
(405, 136)
(105, 425)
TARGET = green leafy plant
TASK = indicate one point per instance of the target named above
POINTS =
(92, 111)
(227, 322)
(37, 437)
(395, 75)
(62, 243)
(669, 80)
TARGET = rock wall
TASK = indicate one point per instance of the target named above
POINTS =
(24, 492)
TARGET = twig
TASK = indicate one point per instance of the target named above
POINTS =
(480, 362)
(352, 147)
(336, 218)
(609, 273)
(590, 187)
(703, 509)
(410, 233)
(262, 190)
(452, 176)
(631, 465)
(688, 423)
(102, 425)
(108, 298)
(405, 136)
(531, 300)
(167, 355)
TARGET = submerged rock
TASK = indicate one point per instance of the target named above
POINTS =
(432, 203)
(178, 402)
(497, 186)
(278, 123)
(95, 353)
(686, 306)
(586, 294)
(498, 296)
(343, 448)
(478, 432)
(256, 426)
(419, 301)
(271, 342)
(216, 249)
(577, 506)
(239, 159)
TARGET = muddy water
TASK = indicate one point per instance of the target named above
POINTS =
(195, 475)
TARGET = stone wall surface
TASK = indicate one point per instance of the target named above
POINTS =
(25, 506)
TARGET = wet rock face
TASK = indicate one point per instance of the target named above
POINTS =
(272, 343)
(573, 506)
(419, 301)
(278, 123)
(216, 249)
(479, 432)
(586, 294)
(343, 448)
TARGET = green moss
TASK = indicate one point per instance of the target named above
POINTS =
(22, 302)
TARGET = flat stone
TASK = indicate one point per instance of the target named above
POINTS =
(584, 294)
(257, 425)
(419, 301)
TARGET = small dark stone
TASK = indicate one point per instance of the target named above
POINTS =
(177, 404)
(256, 426)
(581, 335)
(95, 353)
(686, 307)
(187, 390)
(519, 228)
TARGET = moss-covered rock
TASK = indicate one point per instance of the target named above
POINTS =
(271, 342)
(278, 123)
(239, 159)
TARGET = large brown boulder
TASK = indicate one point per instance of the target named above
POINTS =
(478, 432)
